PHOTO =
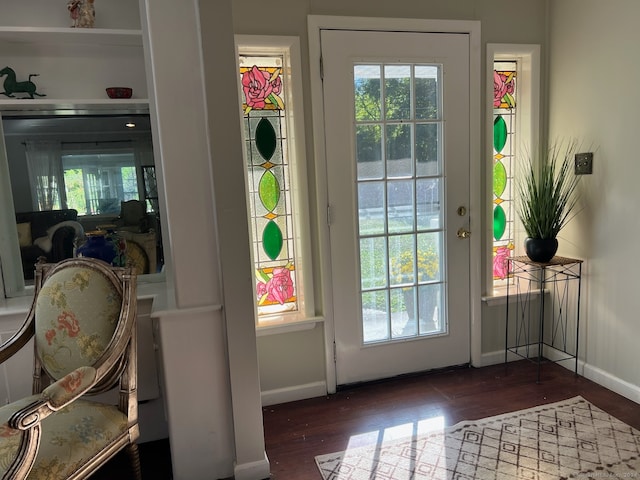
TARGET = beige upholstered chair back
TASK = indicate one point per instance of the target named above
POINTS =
(77, 322)
(76, 315)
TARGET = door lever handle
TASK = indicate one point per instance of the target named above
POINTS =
(463, 233)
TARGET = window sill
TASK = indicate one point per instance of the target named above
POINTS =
(15, 305)
(499, 296)
(146, 291)
(283, 324)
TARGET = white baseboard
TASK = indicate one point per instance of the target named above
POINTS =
(296, 392)
(259, 470)
(493, 358)
(621, 387)
(595, 374)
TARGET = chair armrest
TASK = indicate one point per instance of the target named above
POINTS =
(70, 387)
(54, 397)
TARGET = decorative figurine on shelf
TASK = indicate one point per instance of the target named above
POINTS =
(82, 13)
(11, 86)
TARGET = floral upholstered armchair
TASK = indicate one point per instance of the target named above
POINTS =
(83, 321)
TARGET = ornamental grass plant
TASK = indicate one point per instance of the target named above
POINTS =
(547, 192)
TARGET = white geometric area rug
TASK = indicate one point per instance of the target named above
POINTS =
(563, 440)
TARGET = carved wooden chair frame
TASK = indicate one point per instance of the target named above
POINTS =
(116, 365)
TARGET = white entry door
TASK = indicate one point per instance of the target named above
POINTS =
(397, 145)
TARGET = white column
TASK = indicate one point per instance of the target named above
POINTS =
(221, 80)
(192, 69)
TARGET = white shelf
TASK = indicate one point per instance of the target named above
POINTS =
(75, 65)
(59, 36)
(132, 105)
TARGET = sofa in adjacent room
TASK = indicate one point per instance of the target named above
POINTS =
(51, 234)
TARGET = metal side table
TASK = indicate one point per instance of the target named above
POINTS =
(540, 328)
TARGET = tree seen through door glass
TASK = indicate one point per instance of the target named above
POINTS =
(397, 94)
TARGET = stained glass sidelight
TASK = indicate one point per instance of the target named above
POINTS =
(264, 118)
(504, 122)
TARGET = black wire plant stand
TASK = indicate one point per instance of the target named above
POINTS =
(543, 310)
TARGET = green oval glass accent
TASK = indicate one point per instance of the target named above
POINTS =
(269, 190)
(499, 222)
(499, 178)
(499, 133)
(265, 139)
(272, 240)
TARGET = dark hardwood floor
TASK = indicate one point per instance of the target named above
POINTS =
(155, 458)
(298, 431)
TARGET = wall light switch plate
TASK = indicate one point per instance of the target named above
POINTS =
(584, 163)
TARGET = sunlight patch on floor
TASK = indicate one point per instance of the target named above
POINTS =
(389, 434)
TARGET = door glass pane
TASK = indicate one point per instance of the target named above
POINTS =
(366, 79)
(369, 151)
(429, 259)
(402, 256)
(371, 206)
(429, 309)
(428, 203)
(427, 92)
(403, 312)
(398, 150)
(397, 94)
(401, 202)
(400, 195)
(427, 145)
(373, 266)
(375, 316)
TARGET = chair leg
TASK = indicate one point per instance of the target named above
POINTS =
(134, 458)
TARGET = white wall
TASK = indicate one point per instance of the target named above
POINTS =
(594, 77)
(109, 14)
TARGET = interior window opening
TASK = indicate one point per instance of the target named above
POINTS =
(73, 175)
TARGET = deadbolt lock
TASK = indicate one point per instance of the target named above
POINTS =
(462, 211)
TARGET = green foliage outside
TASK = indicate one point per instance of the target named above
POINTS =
(368, 108)
(74, 187)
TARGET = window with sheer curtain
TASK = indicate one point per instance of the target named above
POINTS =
(44, 164)
(97, 183)
(92, 179)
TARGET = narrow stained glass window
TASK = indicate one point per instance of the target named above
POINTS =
(264, 117)
(504, 122)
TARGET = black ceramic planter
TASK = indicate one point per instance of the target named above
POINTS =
(540, 249)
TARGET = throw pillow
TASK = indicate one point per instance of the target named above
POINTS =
(24, 234)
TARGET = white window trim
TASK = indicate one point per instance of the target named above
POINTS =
(528, 58)
(290, 47)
